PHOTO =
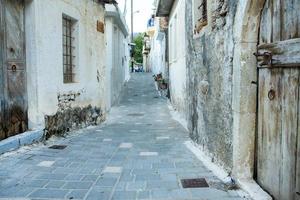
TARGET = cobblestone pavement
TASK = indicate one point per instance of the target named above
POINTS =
(138, 153)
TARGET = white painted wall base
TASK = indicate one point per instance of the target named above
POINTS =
(248, 187)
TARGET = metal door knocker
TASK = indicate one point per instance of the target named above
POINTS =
(14, 68)
(271, 94)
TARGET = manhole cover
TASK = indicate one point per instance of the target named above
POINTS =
(58, 147)
(136, 114)
(194, 183)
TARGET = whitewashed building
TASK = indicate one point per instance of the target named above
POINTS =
(117, 52)
(157, 55)
(54, 72)
(177, 56)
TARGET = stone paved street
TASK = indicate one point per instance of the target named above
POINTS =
(138, 153)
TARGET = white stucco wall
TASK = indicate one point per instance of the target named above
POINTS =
(158, 50)
(45, 60)
(117, 51)
(157, 53)
(177, 56)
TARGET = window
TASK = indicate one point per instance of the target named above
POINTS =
(200, 15)
(68, 49)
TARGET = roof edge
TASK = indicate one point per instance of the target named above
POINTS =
(164, 7)
(113, 11)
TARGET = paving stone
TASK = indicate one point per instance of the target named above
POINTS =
(49, 193)
(106, 182)
(90, 178)
(74, 177)
(52, 176)
(143, 195)
(208, 193)
(180, 194)
(97, 195)
(78, 185)
(112, 169)
(124, 195)
(34, 183)
(148, 153)
(46, 163)
(162, 184)
(77, 194)
(162, 138)
(160, 194)
(126, 145)
(55, 184)
(138, 185)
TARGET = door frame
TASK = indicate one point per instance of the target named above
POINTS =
(244, 91)
(244, 103)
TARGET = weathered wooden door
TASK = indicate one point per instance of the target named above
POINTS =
(278, 142)
(13, 97)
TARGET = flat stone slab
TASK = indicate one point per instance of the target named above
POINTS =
(148, 153)
(112, 169)
(163, 138)
(46, 163)
(126, 145)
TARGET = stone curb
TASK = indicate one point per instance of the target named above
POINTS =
(23, 139)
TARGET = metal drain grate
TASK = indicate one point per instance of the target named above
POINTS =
(194, 183)
(60, 147)
(136, 114)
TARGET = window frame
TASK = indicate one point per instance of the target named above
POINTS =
(68, 49)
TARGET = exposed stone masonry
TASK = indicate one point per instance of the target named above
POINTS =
(69, 118)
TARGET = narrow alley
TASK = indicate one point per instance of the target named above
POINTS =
(138, 153)
(151, 99)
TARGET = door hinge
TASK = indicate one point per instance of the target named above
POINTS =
(264, 58)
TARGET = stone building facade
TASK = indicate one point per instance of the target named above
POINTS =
(221, 84)
(57, 73)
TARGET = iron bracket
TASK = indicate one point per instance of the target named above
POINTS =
(266, 58)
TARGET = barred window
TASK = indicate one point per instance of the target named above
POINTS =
(68, 50)
(200, 15)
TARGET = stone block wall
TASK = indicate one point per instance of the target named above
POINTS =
(209, 80)
(72, 118)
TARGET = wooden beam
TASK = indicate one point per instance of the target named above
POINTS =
(284, 53)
